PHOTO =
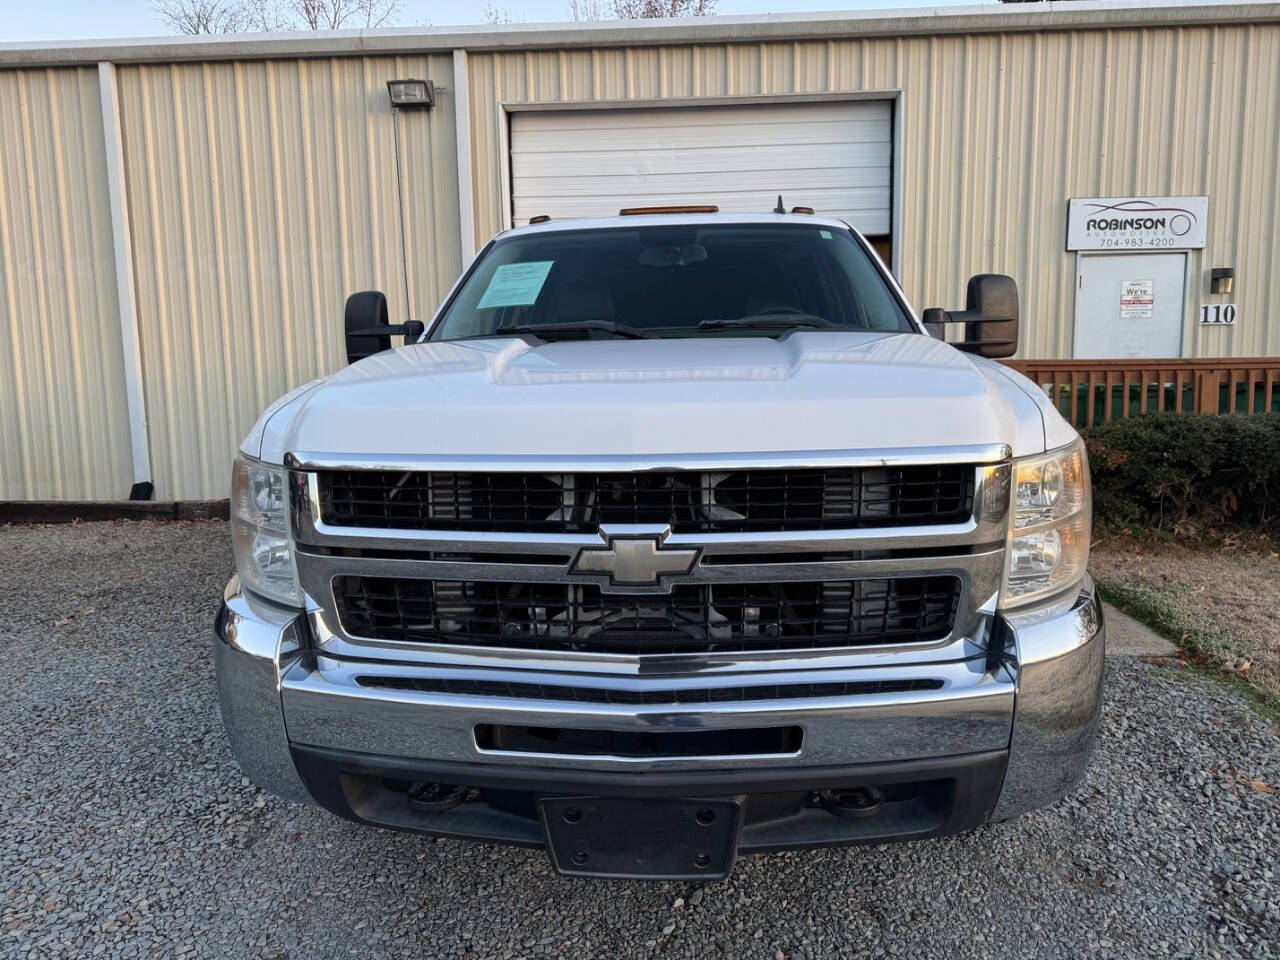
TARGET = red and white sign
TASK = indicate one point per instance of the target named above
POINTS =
(1137, 299)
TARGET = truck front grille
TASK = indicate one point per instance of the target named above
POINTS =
(693, 618)
(690, 501)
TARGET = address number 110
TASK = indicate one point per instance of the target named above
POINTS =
(1218, 314)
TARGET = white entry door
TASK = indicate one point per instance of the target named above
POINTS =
(1130, 305)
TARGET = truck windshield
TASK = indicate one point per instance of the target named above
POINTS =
(674, 281)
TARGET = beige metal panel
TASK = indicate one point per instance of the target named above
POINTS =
(64, 429)
(775, 27)
(1240, 131)
(430, 165)
(998, 131)
(260, 195)
(487, 148)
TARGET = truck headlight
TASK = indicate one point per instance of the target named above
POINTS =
(1050, 526)
(260, 531)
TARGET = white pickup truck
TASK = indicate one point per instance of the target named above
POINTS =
(673, 536)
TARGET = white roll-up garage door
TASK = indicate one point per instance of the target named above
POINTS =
(833, 156)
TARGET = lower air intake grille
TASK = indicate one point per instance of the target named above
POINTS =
(698, 618)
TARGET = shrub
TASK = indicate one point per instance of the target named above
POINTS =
(1186, 472)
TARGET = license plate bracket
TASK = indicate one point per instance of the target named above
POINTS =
(657, 839)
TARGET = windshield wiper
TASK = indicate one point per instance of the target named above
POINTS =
(540, 330)
(768, 321)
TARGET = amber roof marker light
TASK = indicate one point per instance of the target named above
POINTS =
(642, 211)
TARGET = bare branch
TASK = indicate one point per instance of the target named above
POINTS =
(653, 9)
(265, 16)
(379, 13)
(200, 16)
(588, 10)
(639, 9)
(493, 14)
(235, 16)
(343, 14)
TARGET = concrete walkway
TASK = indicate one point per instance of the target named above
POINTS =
(1127, 637)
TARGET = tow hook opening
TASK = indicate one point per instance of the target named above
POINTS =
(852, 802)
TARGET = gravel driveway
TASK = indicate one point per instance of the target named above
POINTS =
(128, 830)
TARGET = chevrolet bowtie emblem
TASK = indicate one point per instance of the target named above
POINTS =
(634, 557)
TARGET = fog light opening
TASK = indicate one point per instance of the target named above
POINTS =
(438, 797)
(852, 802)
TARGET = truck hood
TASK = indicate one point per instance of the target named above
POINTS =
(810, 391)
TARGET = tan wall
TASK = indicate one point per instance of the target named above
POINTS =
(260, 195)
(64, 428)
(261, 192)
(999, 131)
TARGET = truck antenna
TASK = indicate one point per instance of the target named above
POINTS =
(779, 208)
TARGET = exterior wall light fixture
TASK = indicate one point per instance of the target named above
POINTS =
(1222, 279)
(411, 94)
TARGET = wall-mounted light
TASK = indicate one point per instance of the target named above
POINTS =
(411, 94)
(1222, 279)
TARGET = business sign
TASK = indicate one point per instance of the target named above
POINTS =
(1137, 223)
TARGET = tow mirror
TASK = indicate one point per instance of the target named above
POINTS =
(935, 322)
(367, 329)
(990, 317)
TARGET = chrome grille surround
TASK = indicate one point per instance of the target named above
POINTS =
(970, 551)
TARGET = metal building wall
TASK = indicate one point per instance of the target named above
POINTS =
(999, 130)
(262, 191)
(64, 427)
(260, 194)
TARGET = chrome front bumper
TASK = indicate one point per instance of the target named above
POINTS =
(1059, 702)
(1041, 704)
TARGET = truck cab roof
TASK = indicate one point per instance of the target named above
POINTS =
(675, 219)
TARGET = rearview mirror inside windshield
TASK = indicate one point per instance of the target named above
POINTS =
(680, 256)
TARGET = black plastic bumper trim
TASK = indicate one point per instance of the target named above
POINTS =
(346, 784)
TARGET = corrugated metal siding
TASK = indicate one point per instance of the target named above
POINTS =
(998, 132)
(64, 428)
(262, 192)
(260, 195)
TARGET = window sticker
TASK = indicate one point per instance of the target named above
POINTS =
(515, 284)
(825, 234)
